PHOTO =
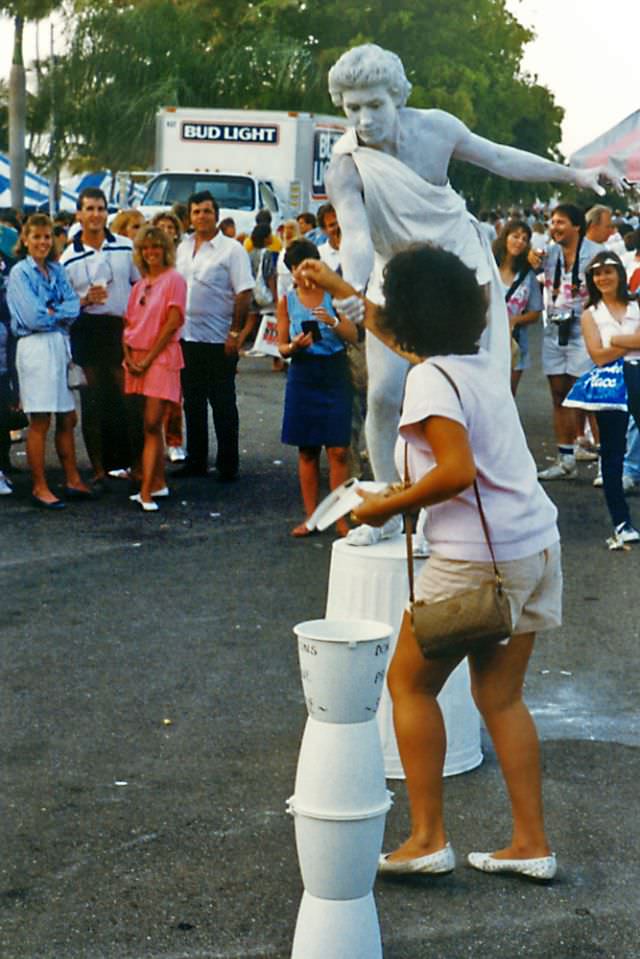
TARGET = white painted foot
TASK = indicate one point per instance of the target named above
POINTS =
(370, 535)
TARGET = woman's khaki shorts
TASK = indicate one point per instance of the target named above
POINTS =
(533, 585)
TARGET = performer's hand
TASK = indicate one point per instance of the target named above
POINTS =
(590, 180)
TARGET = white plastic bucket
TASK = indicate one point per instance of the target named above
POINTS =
(343, 664)
(340, 768)
(339, 856)
(334, 929)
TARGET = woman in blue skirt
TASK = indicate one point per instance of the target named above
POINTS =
(318, 397)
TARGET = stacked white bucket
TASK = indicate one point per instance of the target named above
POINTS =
(340, 800)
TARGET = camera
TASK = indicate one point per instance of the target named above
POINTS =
(563, 320)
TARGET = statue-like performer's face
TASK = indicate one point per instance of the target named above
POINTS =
(372, 112)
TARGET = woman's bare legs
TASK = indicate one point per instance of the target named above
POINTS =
(153, 477)
(338, 457)
(497, 678)
(414, 684)
(66, 450)
(309, 479)
(36, 442)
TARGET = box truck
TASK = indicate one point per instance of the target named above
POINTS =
(248, 159)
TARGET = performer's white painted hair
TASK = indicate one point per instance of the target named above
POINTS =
(367, 66)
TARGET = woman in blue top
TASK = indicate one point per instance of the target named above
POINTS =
(318, 397)
(43, 306)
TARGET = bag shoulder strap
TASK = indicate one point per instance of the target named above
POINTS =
(408, 524)
(514, 286)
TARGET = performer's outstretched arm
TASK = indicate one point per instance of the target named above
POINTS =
(344, 189)
(514, 164)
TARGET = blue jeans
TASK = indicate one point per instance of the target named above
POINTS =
(613, 442)
(632, 459)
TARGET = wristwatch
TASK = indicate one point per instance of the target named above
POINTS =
(233, 334)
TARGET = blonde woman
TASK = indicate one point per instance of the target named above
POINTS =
(173, 434)
(127, 223)
(43, 305)
(152, 352)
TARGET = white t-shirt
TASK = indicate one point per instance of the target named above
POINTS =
(330, 256)
(284, 279)
(608, 326)
(215, 275)
(520, 515)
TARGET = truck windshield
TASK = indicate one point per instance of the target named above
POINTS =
(231, 192)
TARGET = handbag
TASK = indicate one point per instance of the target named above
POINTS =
(472, 619)
(18, 420)
(75, 376)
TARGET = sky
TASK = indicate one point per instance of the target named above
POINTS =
(586, 53)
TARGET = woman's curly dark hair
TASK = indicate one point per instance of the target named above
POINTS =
(433, 303)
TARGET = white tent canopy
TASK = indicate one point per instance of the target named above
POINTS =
(618, 148)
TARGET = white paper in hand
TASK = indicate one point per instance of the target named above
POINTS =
(341, 501)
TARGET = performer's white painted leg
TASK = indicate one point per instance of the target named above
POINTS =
(387, 373)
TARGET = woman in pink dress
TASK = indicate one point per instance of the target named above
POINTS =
(152, 353)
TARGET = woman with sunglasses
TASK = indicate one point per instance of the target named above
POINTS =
(611, 330)
(152, 353)
(43, 306)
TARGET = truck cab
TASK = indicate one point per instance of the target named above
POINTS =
(238, 195)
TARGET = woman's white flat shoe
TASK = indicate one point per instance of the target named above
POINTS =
(435, 864)
(161, 493)
(147, 507)
(543, 868)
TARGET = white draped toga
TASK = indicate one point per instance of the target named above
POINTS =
(403, 208)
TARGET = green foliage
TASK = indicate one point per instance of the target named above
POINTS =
(127, 59)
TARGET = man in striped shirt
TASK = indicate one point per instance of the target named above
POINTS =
(101, 270)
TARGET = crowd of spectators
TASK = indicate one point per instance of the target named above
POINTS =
(153, 345)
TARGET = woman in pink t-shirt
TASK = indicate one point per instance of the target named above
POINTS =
(152, 352)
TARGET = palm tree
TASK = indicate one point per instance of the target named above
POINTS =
(21, 11)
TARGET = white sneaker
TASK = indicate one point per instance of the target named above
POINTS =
(563, 468)
(585, 456)
(6, 486)
(623, 534)
(598, 481)
(629, 485)
(176, 454)
(627, 533)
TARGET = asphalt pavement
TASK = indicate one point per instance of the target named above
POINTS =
(151, 716)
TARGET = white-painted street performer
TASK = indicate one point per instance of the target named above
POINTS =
(388, 181)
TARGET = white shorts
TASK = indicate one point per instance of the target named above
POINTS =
(42, 360)
(571, 359)
(533, 585)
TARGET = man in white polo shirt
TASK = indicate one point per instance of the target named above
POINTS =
(100, 268)
(219, 288)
